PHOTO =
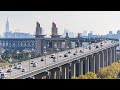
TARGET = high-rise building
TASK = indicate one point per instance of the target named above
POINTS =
(7, 26)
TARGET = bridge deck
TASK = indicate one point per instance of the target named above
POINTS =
(49, 62)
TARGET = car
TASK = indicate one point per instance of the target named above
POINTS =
(32, 62)
(65, 55)
(60, 56)
(97, 46)
(16, 66)
(19, 63)
(81, 51)
(19, 67)
(9, 70)
(74, 54)
(42, 59)
(69, 52)
(3, 75)
(35, 64)
(1, 70)
(52, 55)
(23, 70)
(89, 47)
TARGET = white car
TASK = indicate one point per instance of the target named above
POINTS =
(52, 55)
(19, 67)
(3, 75)
(1, 70)
(32, 62)
(35, 64)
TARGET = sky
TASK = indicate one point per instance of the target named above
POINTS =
(100, 22)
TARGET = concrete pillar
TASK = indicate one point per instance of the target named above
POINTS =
(101, 59)
(52, 74)
(57, 73)
(105, 58)
(81, 66)
(85, 65)
(109, 57)
(97, 62)
(73, 69)
(78, 68)
(41, 75)
(113, 55)
(63, 72)
(91, 63)
(67, 71)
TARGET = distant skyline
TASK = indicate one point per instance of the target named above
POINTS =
(100, 22)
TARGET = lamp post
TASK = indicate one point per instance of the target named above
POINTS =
(57, 53)
(29, 56)
(67, 49)
(10, 61)
(17, 54)
(45, 54)
(76, 48)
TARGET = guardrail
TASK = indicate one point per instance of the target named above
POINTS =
(59, 63)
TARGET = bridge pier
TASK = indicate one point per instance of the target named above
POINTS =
(101, 59)
(41, 75)
(73, 69)
(65, 71)
(109, 57)
(85, 65)
(91, 63)
(97, 62)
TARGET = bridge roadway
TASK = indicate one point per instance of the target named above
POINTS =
(49, 61)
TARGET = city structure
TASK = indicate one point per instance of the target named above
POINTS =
(99, 53)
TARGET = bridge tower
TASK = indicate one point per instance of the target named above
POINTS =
(79, 42)
(39, 39)
(56, 37)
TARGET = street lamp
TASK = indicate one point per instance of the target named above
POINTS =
(10, 61)
(76, 48)
(45, 54)
(83, 48)
(57, 53)
(29, 56)
(67, 49)
(17, 54)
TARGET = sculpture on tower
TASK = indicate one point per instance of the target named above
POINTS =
(38, 30)
(38, 25)
(54, 29)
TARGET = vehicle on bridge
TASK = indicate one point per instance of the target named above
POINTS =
(35, 64)
(3, 75)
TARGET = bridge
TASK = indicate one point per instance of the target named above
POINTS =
(66, 67)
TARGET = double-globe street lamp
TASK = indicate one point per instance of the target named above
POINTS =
(45, 54)
(10, 61)
(17, 53)
(57, 53)
(76, 47)
(29, 56)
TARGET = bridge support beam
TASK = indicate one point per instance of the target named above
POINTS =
(91, 63)
(42, 75)
(65, 71)
(109, 57)
(101, 59)
(73, 69)
(85, 65)
(97, 62)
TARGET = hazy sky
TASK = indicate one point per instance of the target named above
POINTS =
(100, 22)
